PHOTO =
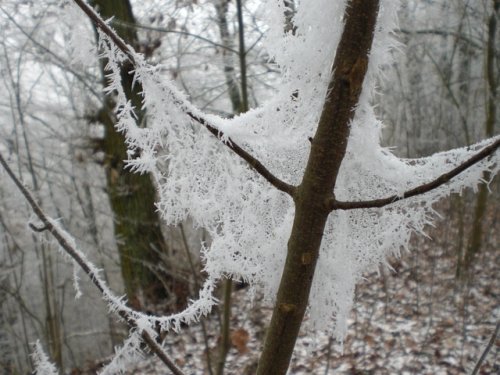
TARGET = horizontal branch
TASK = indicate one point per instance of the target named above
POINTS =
(251, 160)
(479, 45)
(86, 267)
(419, 190)
(443, 33)
(136, 26)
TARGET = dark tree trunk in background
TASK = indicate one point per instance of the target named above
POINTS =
(132, 196)
(476, 236)
(221, 8)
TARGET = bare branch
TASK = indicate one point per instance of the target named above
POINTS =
(96, 280)
(58, 61)
(101, 25)
(40, 229)
(487, 349)
(419, 190)
(169, 31)
(444, 33)
(251, 160)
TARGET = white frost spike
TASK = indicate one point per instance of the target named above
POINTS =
(81, 38)
(128, 354)
(76, 280)
(41, 362)
(202, 306)
(248, 220)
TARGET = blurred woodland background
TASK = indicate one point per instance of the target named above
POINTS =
(433, 313)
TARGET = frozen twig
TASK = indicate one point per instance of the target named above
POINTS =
(41, 361)
(67, 245)
(129, 52)
(419, 190)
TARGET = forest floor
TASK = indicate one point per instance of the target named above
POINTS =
(414, 319)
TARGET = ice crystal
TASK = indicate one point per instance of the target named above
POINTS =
(41, 362)
(248, 220)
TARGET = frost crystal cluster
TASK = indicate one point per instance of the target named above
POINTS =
(249, 220)
(41, 361)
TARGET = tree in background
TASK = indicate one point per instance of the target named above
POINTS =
(453, 53)
(137, 225)
(492, 79)
(78, 188)
(349, 206)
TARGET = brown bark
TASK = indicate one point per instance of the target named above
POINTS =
(63, 240)
(476, 237)
(421, 189)
(240, 105)
(132, 196)
(253, 163)
(314, 197)
(221, 8)
(316, 189)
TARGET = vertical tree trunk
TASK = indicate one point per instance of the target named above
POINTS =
(476, 236)
(311, 212)
(221, 7)
(289, 13)
(239, 101)
(132, 196)
(91, 217)
(52, 317)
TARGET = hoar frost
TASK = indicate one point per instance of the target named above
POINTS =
(41, 361)
(250, 221)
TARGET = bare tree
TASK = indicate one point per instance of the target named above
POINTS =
(322, 198)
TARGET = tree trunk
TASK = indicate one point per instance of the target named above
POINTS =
(476, 237)
(239, 105)
(132, 196)
(311, 212)
(221, 8)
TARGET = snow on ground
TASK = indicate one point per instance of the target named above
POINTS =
(415, 319)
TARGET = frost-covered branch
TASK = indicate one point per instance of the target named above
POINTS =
(41, 361)
(57, 60)
(421, 189)
(68, 245)
(193, 114)
(253, 162)
(257, 233)
(328, 151)
(101, 24)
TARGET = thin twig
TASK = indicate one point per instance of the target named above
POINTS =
(444, 33)
(197, 286)
(487, 349)
(225, 344)
(73, 253)
(103, 26)
(59, 60)
(252, 161)
(422, 189)
(170, 31)
(34, 228)
(328, 354)
(190, 258)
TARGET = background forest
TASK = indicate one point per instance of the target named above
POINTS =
(432, 312)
